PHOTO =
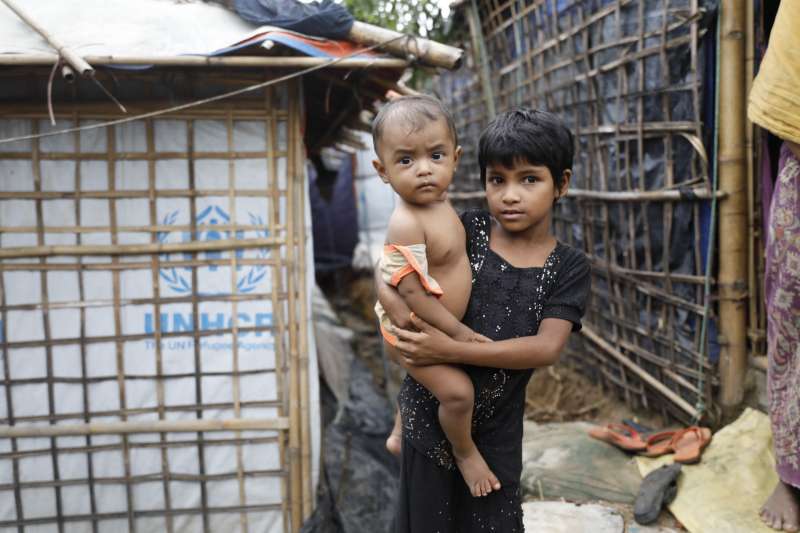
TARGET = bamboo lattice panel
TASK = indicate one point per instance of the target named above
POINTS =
(626, 77)
(151, 377)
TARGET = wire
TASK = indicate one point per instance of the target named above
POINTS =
(196, 103)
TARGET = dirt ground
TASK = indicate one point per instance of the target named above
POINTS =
(561, 394)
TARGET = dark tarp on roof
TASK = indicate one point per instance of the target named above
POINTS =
(320, 19)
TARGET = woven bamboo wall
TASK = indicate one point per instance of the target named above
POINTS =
(152, 289)
(627, 77)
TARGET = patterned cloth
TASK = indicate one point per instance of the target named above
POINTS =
(783, 317)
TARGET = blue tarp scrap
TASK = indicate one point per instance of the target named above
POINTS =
(322, 19)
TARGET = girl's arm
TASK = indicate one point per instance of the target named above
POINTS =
(431, 346)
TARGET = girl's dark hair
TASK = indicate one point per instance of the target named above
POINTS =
(538, 137)
(417, 111)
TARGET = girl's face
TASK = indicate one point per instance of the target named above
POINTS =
(521, 196)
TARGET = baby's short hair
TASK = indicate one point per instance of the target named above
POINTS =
(538, 137)
(416, 111)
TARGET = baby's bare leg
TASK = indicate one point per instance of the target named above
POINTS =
(454, 390)
(394, 442)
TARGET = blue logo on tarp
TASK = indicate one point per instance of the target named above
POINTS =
(247, 277)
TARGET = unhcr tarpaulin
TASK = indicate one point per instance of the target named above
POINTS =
(172, 337)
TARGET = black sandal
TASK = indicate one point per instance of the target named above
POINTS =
(658, 488)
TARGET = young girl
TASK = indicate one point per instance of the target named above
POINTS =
(529, 292)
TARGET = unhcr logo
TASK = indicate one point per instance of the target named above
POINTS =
(212, 279)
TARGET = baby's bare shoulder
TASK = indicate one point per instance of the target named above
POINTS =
(445, 233)
(405, 227)
(441, 219)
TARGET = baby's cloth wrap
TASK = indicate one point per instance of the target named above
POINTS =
(396, 263)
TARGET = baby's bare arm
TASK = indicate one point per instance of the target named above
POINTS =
(430, 309)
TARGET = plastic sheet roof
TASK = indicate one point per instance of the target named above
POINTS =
(146, 28)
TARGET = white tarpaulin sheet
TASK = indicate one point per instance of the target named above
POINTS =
(94, 383)
(123, 27)
(375, 200)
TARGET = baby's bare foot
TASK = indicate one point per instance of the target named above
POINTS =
(781, 511)
(476, 473)
(394, 444)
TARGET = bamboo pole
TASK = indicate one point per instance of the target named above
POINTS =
(209, 61)
(636, 369)
(428, 52)
(237, 400)
(21, 523)
(137, 249)
(482, 58)
(601, 264)
(672, 195)
(157, 307)
(156, 426)
(76, 61)
(196, 351)
(755, 302)
(277, 295)
(295, 427)
(141, 444)
(732, 161)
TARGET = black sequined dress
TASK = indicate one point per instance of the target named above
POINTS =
(506, 302)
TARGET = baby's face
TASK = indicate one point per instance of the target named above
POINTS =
(418, 164)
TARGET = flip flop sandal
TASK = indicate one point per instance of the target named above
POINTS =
(689, 443)
(619, 435)
(659, 444)
(658, 488)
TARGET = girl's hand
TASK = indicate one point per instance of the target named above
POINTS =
(467, 335)
(428, 346)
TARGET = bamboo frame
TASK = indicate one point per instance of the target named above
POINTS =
(77, 62)
(756, 316)
(696, 193)
(131, 421)
(211, 61)
(162, 426)
(733, 211)
(587, 63)
(429, 52)
(650, 380)
(135, 249)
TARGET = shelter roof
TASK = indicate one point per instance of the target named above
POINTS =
(140, 34)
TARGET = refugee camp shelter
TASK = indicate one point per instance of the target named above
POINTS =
(158, 372)
(673, 237)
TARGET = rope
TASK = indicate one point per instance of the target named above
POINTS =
(196, 103)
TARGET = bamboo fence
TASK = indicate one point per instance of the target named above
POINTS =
(104, 423)
(633, 81)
